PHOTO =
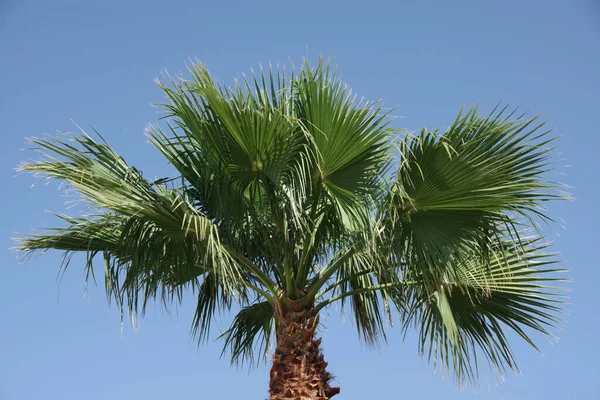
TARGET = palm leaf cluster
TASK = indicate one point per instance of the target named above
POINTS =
(290, 192)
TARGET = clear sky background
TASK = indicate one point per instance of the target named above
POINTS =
(94, 62)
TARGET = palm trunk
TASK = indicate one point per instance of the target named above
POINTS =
(299, 371)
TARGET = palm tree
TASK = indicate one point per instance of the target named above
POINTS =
(291, 195)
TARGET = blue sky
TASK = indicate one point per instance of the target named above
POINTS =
(94, 62)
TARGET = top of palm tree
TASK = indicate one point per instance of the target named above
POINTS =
(292, 194)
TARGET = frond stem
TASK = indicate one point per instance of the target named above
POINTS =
(308, 243)
(270, 298)
(326, 274)
(338, 283)
(325, 303)
(258, 273)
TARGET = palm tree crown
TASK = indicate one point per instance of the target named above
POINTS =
(292, 195)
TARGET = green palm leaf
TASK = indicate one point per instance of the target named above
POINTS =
(467, 315)
(457, 190)
(250, 333)
(150, 235)
(351, 140)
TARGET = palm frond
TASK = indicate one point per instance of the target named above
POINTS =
(212, 297)
(351, 140)
(464, 320)
(250, 333)
(150, 235)
(457, 190)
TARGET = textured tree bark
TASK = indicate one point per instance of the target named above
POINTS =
(299, 370)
